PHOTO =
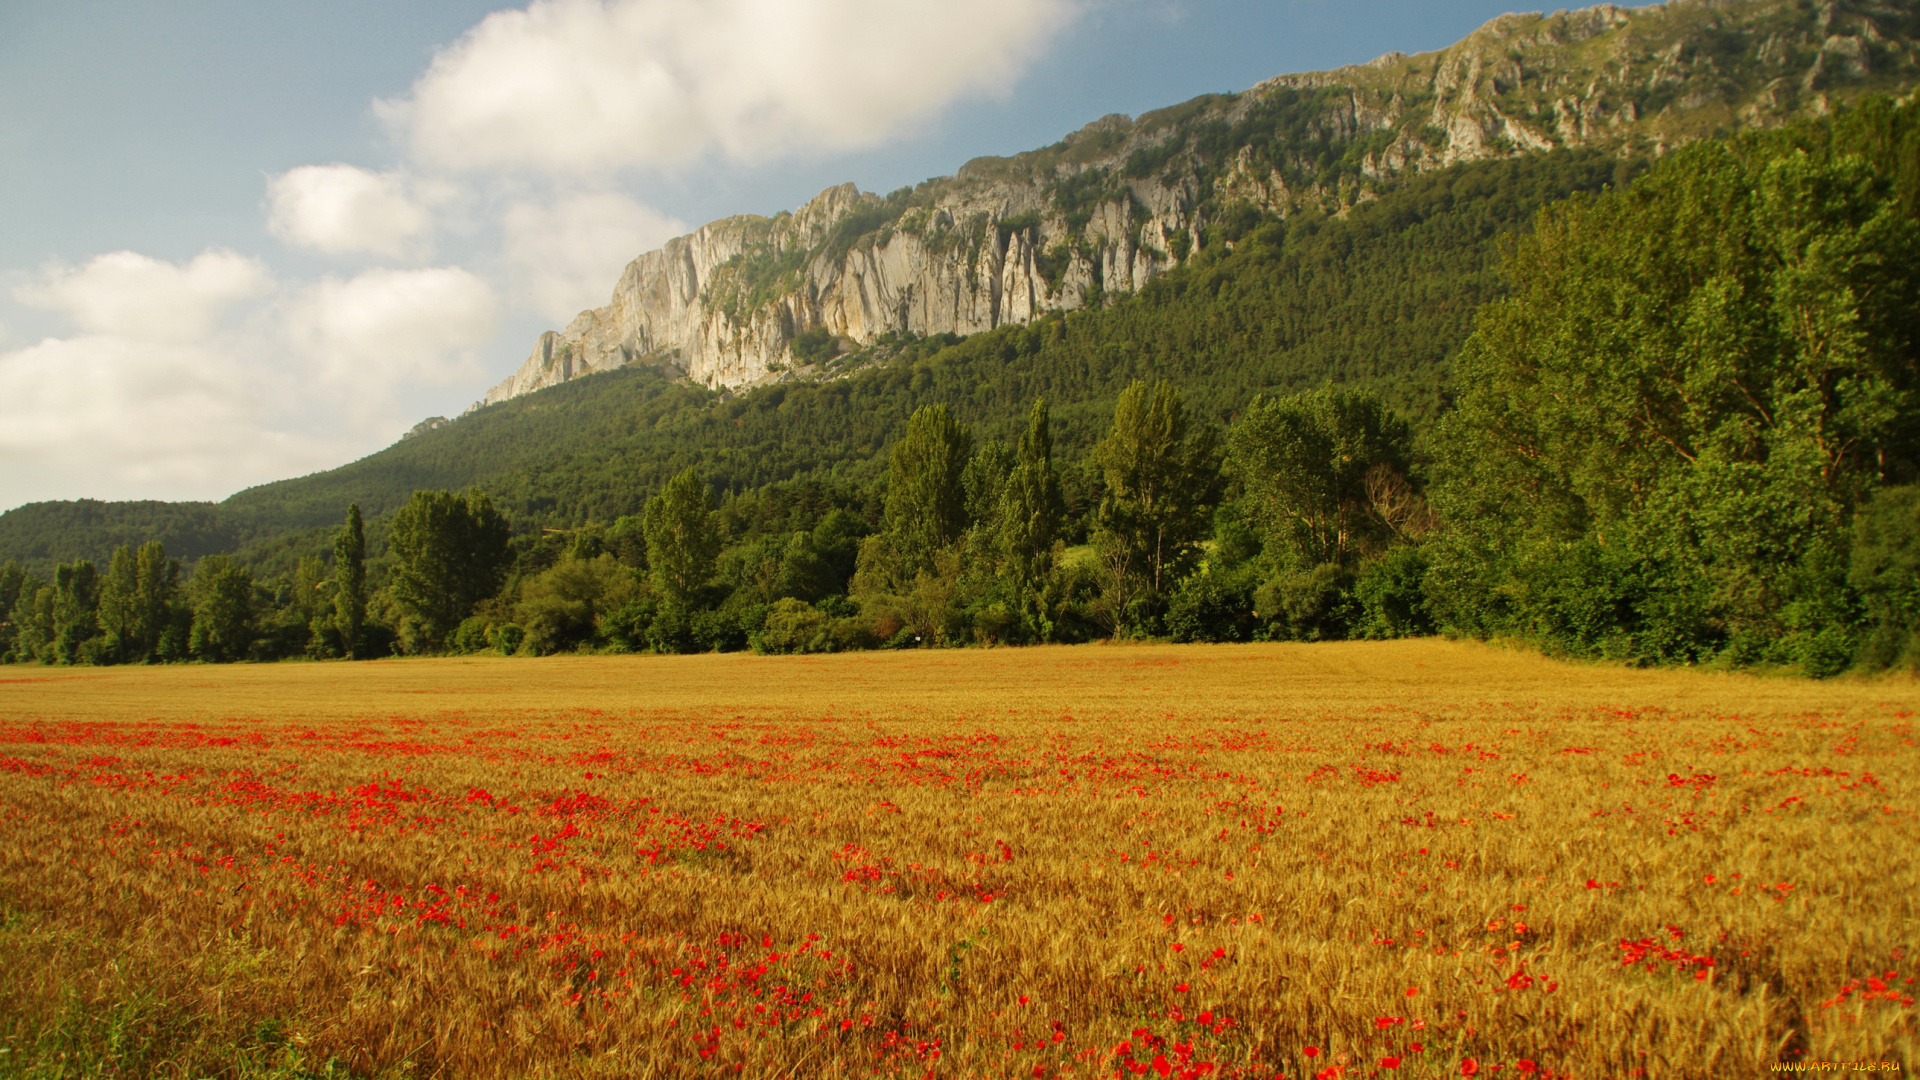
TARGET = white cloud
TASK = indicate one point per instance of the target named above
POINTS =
(569, 254)
(565, 86)
(385, 328)
(111, 417)
(195, 380)
(126, 294)
(342, 209)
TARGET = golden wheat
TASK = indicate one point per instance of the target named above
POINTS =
(1398, 859)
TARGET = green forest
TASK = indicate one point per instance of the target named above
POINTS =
(1658, 414)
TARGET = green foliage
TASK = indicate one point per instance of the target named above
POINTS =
(349, 587)
(1391, 594)
(1027, 526)
(562, 608)
(13, 581)
(117, 611)
(450, 553)
(1885, 569)
(75, 637)
(815, 346)
(39, 535)
(1162, 482)
(223, 614)
(681, 541)
(926, 508)
(1311, 465)
(1661, 436)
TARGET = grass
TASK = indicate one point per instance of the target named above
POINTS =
(1368, 859)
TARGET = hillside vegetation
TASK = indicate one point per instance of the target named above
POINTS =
(1379, 299)
(1687, 435)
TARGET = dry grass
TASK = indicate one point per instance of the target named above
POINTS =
(1047, 862)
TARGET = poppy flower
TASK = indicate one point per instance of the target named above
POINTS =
(1311, 1051)
(1389, 1062)
(1469, 1067)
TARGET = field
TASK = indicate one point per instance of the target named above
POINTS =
(1391, 859)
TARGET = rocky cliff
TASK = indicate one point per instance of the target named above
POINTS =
(747, 300)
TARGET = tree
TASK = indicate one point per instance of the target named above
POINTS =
(681, 540)
(164, 626)
(1661, 435)
(119, 611)
(222, 610)
(1029, 520)
(13, 582)
(32, 621)
(350, 583)
(1162, 483)
(75, 608)
(926, 508)
(450, 553)
(1315, 468)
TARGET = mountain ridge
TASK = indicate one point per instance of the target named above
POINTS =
(1122, 200)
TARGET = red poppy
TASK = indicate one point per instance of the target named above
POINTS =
(1526, 1065)
(1311, 1051)
(1389, 1062)
(1469, 1067)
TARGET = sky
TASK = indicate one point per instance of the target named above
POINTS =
(245, 241)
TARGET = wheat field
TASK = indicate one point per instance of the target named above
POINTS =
(1416, 859)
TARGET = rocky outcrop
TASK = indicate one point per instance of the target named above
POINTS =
(1104, 211)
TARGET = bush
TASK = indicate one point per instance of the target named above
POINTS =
(508, 637)
(1391, 592)
(474, 634)
(1212, 605)
(1307, 605)
(626, 627)
(792, 625)
(815, 345)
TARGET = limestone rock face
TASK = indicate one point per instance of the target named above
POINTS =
(1107, 209)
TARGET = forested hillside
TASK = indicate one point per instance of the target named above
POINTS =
(1379, 298)
(1685, 430)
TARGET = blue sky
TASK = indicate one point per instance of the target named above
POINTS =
(245, 241)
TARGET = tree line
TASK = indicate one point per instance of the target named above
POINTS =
(1689, 433)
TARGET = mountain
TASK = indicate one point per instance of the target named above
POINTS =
(750, 300)
(1316, 228)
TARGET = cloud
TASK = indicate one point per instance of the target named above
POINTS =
(194, 380)
(126, 294)
(342, 209)
(102, 416)
(385, 328)
(566, 86)
(569, 254)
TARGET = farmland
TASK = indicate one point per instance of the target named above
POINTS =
(1416, 858)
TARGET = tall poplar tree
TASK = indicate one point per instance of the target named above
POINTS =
(926, 508)
(1030, 511)
(1162, 483)
(156, 599)
(119, 611)
(350, 583)
(681, 541)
